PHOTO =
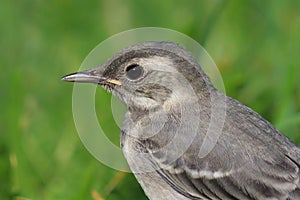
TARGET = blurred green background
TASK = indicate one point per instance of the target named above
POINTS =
(255, 44)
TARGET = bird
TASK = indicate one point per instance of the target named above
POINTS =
(184, 139)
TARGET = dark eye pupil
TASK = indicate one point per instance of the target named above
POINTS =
(134, 71)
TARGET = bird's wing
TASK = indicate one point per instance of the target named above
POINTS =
(260, 183)
(252, 160)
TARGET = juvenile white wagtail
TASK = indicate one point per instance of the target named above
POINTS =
(183, 139)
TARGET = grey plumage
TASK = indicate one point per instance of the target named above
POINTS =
(171, 106)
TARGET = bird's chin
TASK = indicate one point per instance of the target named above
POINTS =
(114, 91)
(108, 87)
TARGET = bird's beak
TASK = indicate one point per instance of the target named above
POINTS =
(89, 76)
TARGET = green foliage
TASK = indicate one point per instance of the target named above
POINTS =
(255, 44)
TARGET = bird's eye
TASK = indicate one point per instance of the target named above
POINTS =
(134, 71)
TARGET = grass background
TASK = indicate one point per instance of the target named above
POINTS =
(255, 44)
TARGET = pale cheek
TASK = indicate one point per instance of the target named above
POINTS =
(145, 103)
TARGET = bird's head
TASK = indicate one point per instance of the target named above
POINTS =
(148, 75)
